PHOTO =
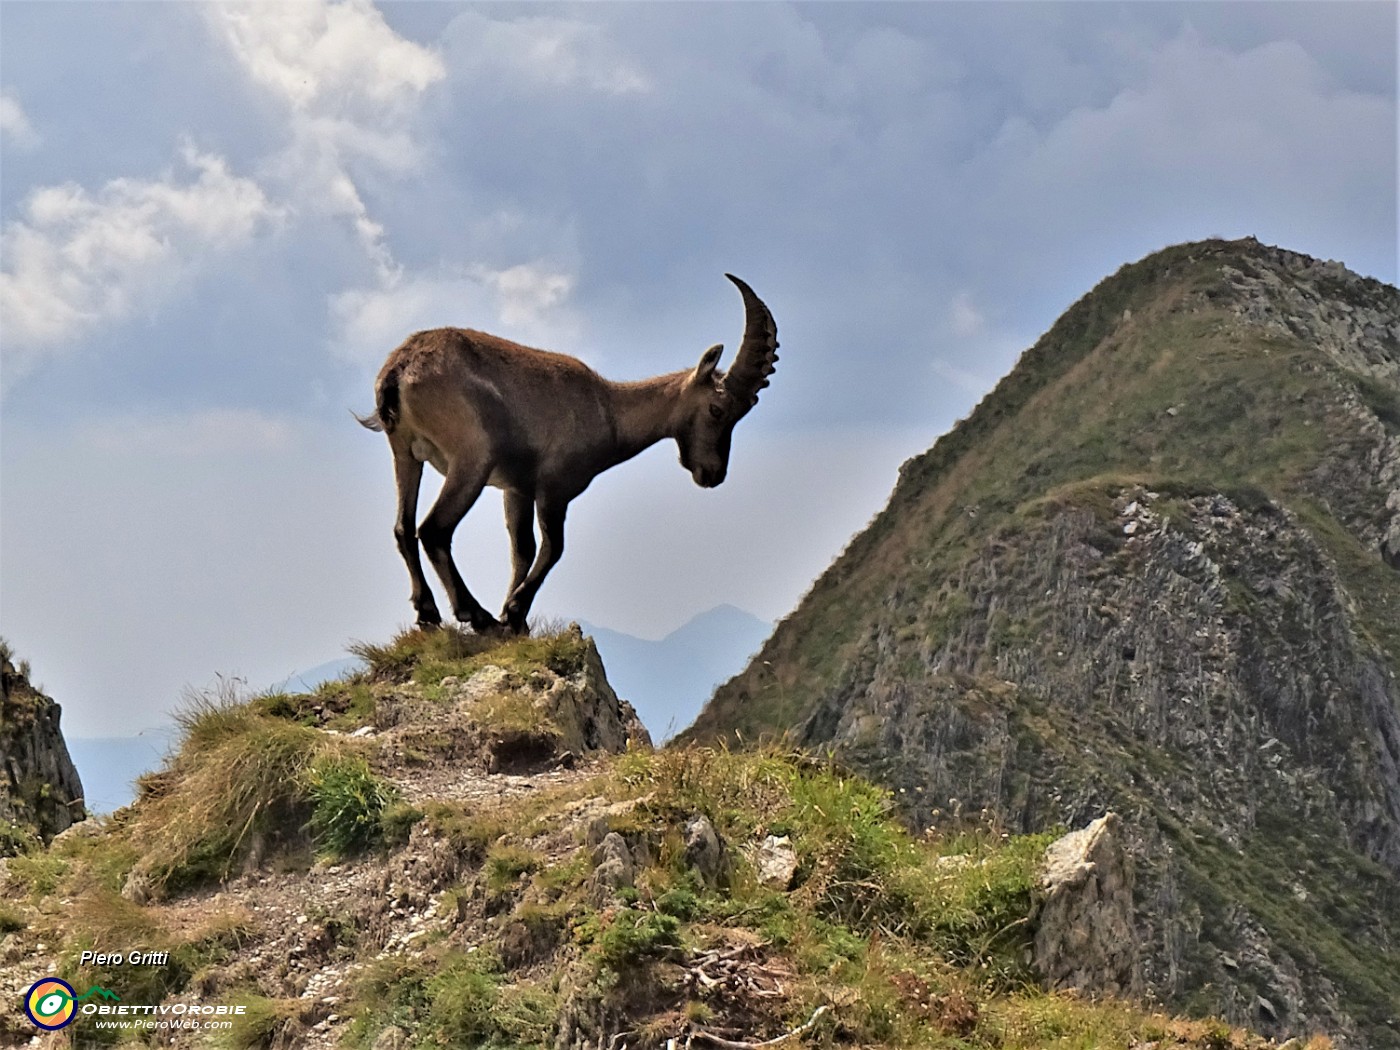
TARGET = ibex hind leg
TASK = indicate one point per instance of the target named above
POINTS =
(459, 491)
(408, 472)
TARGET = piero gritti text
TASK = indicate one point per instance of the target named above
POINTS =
(134, 958)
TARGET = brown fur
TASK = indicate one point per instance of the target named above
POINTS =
(540, 426)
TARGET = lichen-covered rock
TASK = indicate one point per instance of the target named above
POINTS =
(613, 868)
(506, 719)
(1085, 938)
(775, 862)
(40, 793)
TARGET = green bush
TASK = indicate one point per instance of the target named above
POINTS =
(635, 935)
(349, 802)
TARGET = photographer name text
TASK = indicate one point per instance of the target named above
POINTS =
(124, 958)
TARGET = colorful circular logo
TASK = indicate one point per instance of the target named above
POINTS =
(50, 1004)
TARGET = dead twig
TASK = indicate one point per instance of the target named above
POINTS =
(734, 1044)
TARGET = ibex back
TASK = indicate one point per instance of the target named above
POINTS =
(541, 426)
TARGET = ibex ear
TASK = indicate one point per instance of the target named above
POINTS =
(709, 361)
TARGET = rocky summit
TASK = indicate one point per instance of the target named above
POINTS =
(1157, 571)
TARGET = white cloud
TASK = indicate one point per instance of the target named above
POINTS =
(527, 303)
(545, 51)
(350, 86)
(77, 260)
(1202, 131)
(964, 318)
(15, 128)
(526, 295)
(322, 58)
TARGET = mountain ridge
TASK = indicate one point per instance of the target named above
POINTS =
(1154, 570)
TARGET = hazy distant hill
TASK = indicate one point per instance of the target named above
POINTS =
(306, 681)
(669, 680)
(1154, 571)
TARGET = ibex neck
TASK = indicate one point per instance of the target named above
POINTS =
(643, 411)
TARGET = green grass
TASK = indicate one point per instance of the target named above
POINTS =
(349, 804)
(449, 997)
(265, 1023)
(245, 781)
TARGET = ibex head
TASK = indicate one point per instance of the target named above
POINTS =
(713, 402)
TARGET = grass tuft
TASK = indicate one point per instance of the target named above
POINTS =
(349, 804)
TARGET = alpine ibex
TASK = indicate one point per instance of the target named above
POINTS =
(541, 426)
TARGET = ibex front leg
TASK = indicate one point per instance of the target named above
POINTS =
(551, 517)
(520, 525)
(462, 486)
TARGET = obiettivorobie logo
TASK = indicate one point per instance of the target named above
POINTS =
(51, 1003)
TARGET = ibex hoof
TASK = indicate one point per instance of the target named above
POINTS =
(483, 623)
(429, 619)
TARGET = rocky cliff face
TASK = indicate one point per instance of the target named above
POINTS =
(1155, 572)
(40, 794)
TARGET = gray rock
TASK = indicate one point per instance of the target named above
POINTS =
(703, 850)
(1084, 935)
(775, 862)
(588, 713)
(40, 792)
(391, 1039)
(613, 869)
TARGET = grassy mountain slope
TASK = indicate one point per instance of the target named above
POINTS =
(1155, 570)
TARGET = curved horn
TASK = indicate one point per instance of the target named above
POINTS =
(757, 356)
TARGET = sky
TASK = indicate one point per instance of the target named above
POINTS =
(219, 219)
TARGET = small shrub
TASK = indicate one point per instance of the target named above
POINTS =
(397, 822)
(680, 902)
(10, 919)
(40, 872)
(349, 802)
(15, 839)
(462, 1002)
(635, 935)
(265, 1023)
(470, 832)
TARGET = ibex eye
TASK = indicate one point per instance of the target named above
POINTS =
(716, 411)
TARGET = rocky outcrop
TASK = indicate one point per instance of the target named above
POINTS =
(40, 794)
(587, 711)
(506, 721)
(1085, 938)
(1205, 674)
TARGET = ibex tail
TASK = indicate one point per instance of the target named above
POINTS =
(386, 406)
